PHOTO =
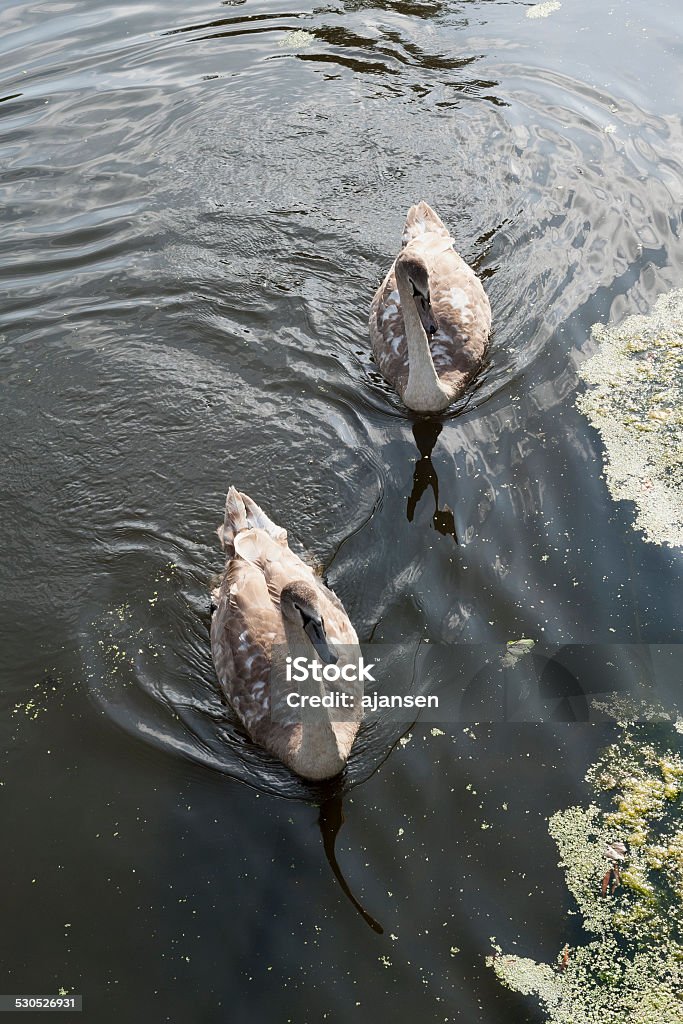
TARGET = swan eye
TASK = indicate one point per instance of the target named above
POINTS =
(417, 294)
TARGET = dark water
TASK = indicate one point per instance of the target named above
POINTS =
(195, 214)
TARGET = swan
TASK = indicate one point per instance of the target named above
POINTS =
(266, 597)
(430, 318)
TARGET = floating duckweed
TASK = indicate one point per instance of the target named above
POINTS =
(636, 402)
(41, 698)
(629, 710)
(543, 10)
(297, 39)
(122, 612)
(623, 858)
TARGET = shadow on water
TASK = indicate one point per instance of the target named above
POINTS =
(330, 821)
(426, 433)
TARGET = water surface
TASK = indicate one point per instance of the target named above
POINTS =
(196, 210)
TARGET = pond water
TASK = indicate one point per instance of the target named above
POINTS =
(197, 205)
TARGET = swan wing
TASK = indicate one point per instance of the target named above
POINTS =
(387, 334)
(463, 313)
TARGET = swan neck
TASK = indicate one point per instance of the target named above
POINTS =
(424, 391)
(318, 755)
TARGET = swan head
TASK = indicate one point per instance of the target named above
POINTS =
(415, 270)
(300, 606)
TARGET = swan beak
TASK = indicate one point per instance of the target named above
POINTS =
(433, 326)
(429, 321)
(316, 634)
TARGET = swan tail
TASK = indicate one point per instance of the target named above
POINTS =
(235, 520)
(259, 520)
(421, 219)
(241, 513)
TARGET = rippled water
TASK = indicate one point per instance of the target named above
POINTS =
(196, 209)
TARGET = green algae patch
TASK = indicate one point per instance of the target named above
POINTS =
(515, 650)
(623, 862)
(635, 400)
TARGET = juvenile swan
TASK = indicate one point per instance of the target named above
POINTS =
(430, 318)
(268, 596)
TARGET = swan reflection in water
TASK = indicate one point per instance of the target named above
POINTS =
(330, 821)
(426, 432)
